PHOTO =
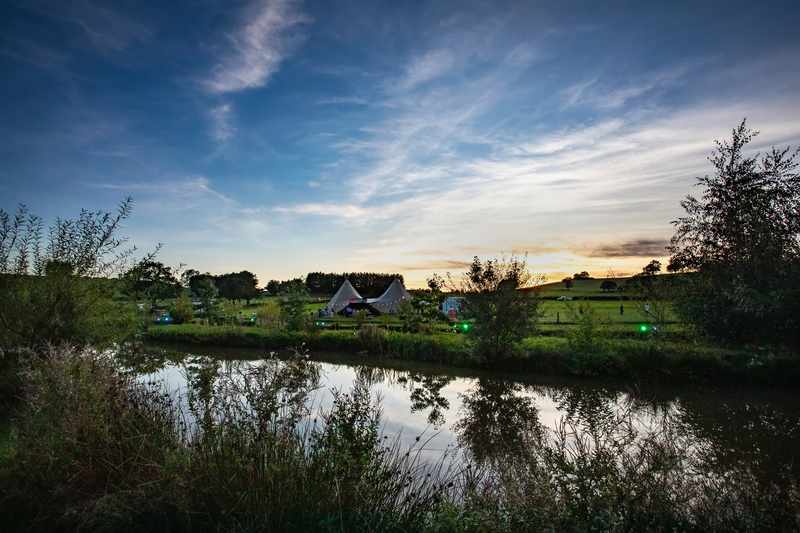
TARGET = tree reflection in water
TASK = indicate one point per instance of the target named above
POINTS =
(497, 420)
(425, 390)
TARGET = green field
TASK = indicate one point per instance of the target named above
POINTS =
(581, 288)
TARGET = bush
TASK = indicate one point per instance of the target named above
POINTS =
(373, 339)
(182, 312)
(97, 450)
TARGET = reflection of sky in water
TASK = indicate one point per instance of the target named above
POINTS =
(393, 389)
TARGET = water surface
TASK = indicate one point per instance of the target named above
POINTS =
(481, 414)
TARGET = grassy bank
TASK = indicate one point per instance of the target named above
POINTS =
(649, 359)
(98, 451)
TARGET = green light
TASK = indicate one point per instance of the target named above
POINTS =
(643, 328)
(465, 327)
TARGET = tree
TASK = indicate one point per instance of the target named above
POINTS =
(608, 285)
(187, 275)
(206, 291)
(51, 287)
(182, 312)
(652, 268)
(151, 280)
(502, 313)
(741, 240)
(568, 283)
(273, 287)
(582, 275)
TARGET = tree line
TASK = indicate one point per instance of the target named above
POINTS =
(368, 284)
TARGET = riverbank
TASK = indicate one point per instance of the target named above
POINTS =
(97, 449)
(641, 359)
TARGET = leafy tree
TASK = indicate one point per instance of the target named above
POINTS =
(568, 283)
(293, 307)
(233, 286)
(187, 275)
(182, 311)
(502, 313)
(608, 285)
(741, 240)
(151, 280)
(273, 287)
(206, 291)
(652, 268)
(582, 275)
(51, 287)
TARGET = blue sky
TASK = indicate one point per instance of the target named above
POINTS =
(284, 137)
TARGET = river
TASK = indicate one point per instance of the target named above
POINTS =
(443, 411)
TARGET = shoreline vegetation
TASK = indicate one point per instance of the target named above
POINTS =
(645, 359)
(97, 450)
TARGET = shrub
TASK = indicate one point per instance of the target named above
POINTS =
(182, 312)
(373, 339)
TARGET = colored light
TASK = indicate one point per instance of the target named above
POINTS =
(465, 327)
(643, 328)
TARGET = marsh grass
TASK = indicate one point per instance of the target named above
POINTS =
(97, 450)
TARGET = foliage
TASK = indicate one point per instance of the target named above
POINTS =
(373, 339)
(182, 312)
(205, 290)
(50, 286)
(634, 358)
(568, 283)
(582, 275)
(293, 308)
(586, 340)
(741, 237)
(151, 280)
(502, 313)
(97, 450)
(268, 315)
(237, 285)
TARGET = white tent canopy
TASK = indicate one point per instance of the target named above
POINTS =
(390, 300)
(343, 296)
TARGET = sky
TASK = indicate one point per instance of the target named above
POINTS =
(284, 137)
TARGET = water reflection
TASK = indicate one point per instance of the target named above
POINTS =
(490, 417)
(497, 419)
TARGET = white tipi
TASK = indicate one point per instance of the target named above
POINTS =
(343, 296)
(390, 300)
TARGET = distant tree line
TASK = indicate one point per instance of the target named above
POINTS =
(233, 286)
(289, 286)
(368, 284)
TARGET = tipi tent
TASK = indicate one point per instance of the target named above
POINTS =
(342, 298)
(390, 300)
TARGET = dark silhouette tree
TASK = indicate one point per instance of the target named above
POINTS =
(741, 240)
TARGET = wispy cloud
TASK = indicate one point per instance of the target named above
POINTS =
(258, 48)
(222, 127)
(182, 190)
(346, 211)
(602, 94)
(342, 100)
(425, 68)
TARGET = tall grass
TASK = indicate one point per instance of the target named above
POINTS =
(97, 450)
(588, 351)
